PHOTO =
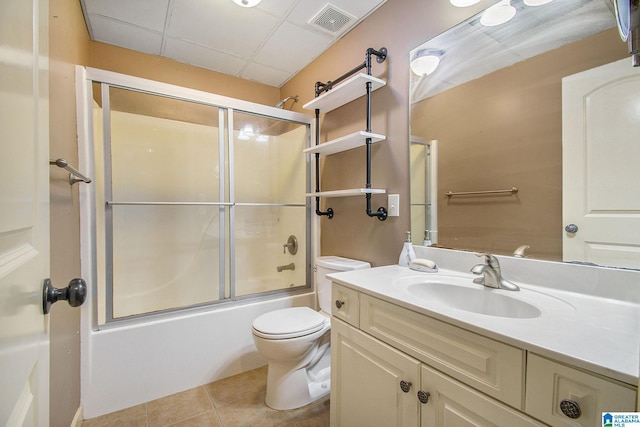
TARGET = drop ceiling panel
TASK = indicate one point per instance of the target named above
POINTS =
(126, 35)
(150, 14)
(277, 8)
(302, 47)
(203, 57)
(226, 27)
(266, 75)
(268, 43)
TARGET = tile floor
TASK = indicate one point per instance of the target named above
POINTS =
(236, 401)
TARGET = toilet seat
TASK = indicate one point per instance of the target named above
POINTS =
(288, 323)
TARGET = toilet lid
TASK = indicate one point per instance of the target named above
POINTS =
(292, 321)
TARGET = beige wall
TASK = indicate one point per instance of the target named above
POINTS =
(399, 25)
(512, 137)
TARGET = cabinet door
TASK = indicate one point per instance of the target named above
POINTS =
(452, 404)
(365, 381)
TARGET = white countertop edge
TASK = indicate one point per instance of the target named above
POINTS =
(539, 336)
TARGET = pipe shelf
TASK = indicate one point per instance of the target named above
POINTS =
(345, 143)
(347, 192)
(331, 95)
(351, 89)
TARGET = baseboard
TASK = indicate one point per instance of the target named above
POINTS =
(77, 418)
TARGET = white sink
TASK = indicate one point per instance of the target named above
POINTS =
(487, 301)
(460, 293)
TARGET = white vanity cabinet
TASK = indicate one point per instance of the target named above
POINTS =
(389, 358)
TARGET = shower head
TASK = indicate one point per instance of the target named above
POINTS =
(281, 103)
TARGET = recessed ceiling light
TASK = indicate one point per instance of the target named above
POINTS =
(247, 3)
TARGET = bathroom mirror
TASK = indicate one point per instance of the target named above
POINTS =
(487, 126)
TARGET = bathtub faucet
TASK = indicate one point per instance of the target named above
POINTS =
(281, 268)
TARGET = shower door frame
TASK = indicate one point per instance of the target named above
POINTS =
(85, 78)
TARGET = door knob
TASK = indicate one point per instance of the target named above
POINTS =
(75, 294)
(571, 228)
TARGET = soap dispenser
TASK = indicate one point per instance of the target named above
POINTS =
(407, 255)
(427, 238)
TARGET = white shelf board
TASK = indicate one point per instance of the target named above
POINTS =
(347, 193)
(347, 142)
(352, 88)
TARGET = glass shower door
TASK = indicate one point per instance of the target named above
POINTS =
(164, 210)
(270, 223)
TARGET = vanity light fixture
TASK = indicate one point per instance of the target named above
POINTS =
(498, 14)
(247, 3)
(463, 3)
(425, 61)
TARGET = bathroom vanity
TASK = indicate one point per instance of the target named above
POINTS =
(415, 349)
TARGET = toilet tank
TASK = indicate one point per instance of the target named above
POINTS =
(332, 264)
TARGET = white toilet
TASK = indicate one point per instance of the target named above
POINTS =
(295, 341)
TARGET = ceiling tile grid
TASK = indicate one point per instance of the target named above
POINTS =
(269, 43)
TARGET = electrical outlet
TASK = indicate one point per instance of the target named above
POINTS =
(393, 204)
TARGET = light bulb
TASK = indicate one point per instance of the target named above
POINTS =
(463, 3)
(498, 14)
(247, 3)
(536, 2)
(425, 61)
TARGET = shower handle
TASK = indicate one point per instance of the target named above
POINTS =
(292, 245)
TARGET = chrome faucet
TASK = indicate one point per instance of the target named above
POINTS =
(491, 274)
(281, 268)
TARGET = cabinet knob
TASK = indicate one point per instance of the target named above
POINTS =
(570, 408)
(405, 386)
(339, 303)
(423, 396)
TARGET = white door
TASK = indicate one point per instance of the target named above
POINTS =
(24, 213)
(601, 158)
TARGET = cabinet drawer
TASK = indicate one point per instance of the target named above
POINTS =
(344, 304)
(453, 404)
(549, 383)
(490, 366)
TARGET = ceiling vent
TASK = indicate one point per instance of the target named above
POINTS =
(332, 20)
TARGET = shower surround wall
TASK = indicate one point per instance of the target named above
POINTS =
(160, 249)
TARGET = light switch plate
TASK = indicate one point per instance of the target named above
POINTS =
(393, 204)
